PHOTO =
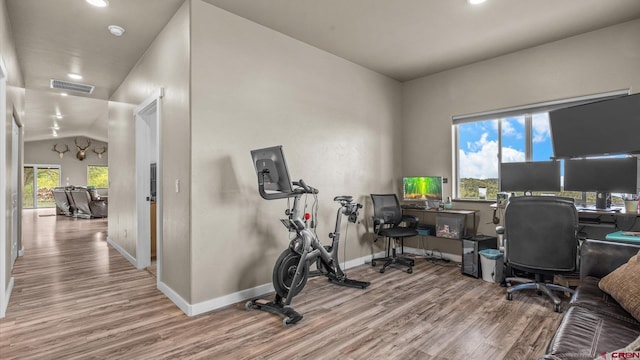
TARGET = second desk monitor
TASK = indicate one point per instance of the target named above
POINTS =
(530, 176)
(607, 175)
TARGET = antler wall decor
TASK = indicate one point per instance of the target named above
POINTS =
(100, 151)
(60, 153)
(81, 155)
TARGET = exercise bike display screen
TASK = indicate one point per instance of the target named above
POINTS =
(271, 166)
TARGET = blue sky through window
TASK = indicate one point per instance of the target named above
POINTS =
(541, 137)
(478, 144)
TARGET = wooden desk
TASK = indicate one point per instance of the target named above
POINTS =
(464, 213)
(615, 210)
(606, 219)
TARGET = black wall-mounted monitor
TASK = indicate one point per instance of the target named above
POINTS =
(598, 128)
(271, 166)
(530, 176)
(610, 175)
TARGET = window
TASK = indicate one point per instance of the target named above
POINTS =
(485, 140)
(98, 176)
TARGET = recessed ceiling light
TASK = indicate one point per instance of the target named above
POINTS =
(75, 76)
(58, 116)
(475, 2)
(116, 30)
(98, 3)
(63, 94)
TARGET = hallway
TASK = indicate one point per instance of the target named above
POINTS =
(74, 296)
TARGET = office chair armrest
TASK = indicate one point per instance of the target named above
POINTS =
(412, 221)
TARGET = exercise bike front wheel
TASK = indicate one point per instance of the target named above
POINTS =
(285, 270)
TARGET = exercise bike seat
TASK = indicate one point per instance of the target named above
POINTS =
(343, 198)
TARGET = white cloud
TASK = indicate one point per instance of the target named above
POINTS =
(512, 155)
(540, 127)
(509, 130)
(483, 163)
(480, 164)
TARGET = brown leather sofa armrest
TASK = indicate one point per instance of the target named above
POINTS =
(598, 258)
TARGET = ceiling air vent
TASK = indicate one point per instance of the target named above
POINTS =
(66, 85)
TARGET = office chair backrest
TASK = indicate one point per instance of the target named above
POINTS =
(541, 233)
(387, 207)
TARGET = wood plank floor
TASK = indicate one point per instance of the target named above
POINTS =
(77, 298)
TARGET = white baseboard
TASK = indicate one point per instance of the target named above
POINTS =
(21, 252)
(226, 300)
(9, 290)
(239, 296)
(122, 251)
(181, 303)
(423, 252)
(361, 260)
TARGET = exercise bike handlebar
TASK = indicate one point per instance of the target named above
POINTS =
(307, 189)
(303, 189)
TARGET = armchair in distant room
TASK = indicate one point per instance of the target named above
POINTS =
(387, 220)
(64, 201)
(541, 239)
(89, 204)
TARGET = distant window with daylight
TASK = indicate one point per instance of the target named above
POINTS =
(98, 176)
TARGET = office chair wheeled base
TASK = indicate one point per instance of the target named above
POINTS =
(540, 287)
(393, 259)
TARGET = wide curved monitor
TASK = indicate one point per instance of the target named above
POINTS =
(598, 128)
(271, 169)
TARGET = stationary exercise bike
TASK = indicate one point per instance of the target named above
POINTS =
(291, 270)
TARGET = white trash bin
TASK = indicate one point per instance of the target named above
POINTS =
(492, 263)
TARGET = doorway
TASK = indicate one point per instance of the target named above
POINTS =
(39, 180)
(15, 189)
(149, 184)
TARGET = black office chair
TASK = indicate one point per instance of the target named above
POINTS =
(386, 223)
(542, 239)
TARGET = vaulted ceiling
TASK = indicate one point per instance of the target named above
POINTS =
(403, 39)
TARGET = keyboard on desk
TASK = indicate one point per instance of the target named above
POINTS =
(416, 207)
(593, 209)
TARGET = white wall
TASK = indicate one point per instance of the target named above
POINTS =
(41, 152)
(164, 65)
(253, 87)
(595, 62)
(14, 103)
